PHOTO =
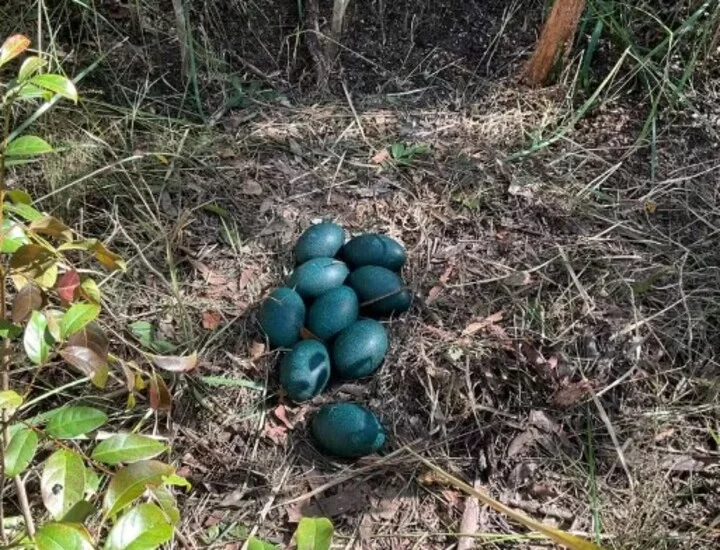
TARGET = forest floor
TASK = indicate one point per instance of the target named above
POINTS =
(561, 353)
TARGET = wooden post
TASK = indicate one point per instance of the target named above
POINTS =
(559, 31)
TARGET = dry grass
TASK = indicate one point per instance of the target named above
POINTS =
(562, 350)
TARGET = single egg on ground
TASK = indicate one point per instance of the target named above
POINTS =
(317, 276)
(359, 349)
(347, 430)
(305, 370)
(323, 240)
(332, 312)
(282, 316)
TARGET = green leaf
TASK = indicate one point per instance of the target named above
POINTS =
(32, 261)
(19, 196)
(144, 527)
(37, 339)
(127, 448)
(62, 536)
(25, 211)
(314, 534)
(167, 502)
(257, 544)
(28, 146)
(92, 483)
(131, 481)
(77, 317)
(73, 421)
(397, 150)
(57, 84)
(143, 331)
(63, 482)
(13, 236)
(12, 47)
(20, 452)
(177, 481)
(29, 67)
(10, 400)
(80, 512)
(30, 91)
(90, 290)
(9, 330)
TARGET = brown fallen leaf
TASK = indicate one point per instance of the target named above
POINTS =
(251, 187)
(257, 349)
(277, 433)
(211, 320)
(281, 414)
(522, 442)
(571, 394)
(380, 157)
(687, 463)
(442, 281)
(245, 277)
(485, 323)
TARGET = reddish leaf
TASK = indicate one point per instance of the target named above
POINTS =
(174, 363)
(93, 337)
(211, 320)
(380, 157)
(12, 47)
(485, 323)
(88, 362)
(160, 399)
(27, 300)
(66, 285)
(281, 415)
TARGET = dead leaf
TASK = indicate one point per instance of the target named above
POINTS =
(175, 363)
(437, 289)
(542, 421)
(211, 320)
(281, 414)
(160, 399)
(251, 187)
(380, 157)
(275, 432)
(687, 463)
(664, 435)
(485, 323)
(245, 277)
(257, 349)
(522, 442)
(519, 278)
(543, 489)
(571, 394)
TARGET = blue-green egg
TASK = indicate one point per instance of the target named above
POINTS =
(305, 370)
(380, 290)
(317, 276)
(282, 316)
(323, 240)
(359, 349)
(347, 430)
(374, 249)
(332, 312)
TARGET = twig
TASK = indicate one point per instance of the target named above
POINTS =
(611, 430)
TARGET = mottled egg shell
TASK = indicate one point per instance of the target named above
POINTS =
(380, 290)
(317, 276)
(282, 316)
(347, 430)
(359, 349)
(305, 370)
(332, 312)
(323, 240)
(374, 249)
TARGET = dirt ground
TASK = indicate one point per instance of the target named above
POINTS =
(561, 352)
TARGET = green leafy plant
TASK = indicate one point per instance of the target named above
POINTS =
(115, 494)
(404, 155)
(311, 534)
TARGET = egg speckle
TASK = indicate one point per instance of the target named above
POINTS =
(374, 249)
(359, 349)
(317, 276)
(282, 316)
(332, 312)
(323, 240)
(380, 290)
